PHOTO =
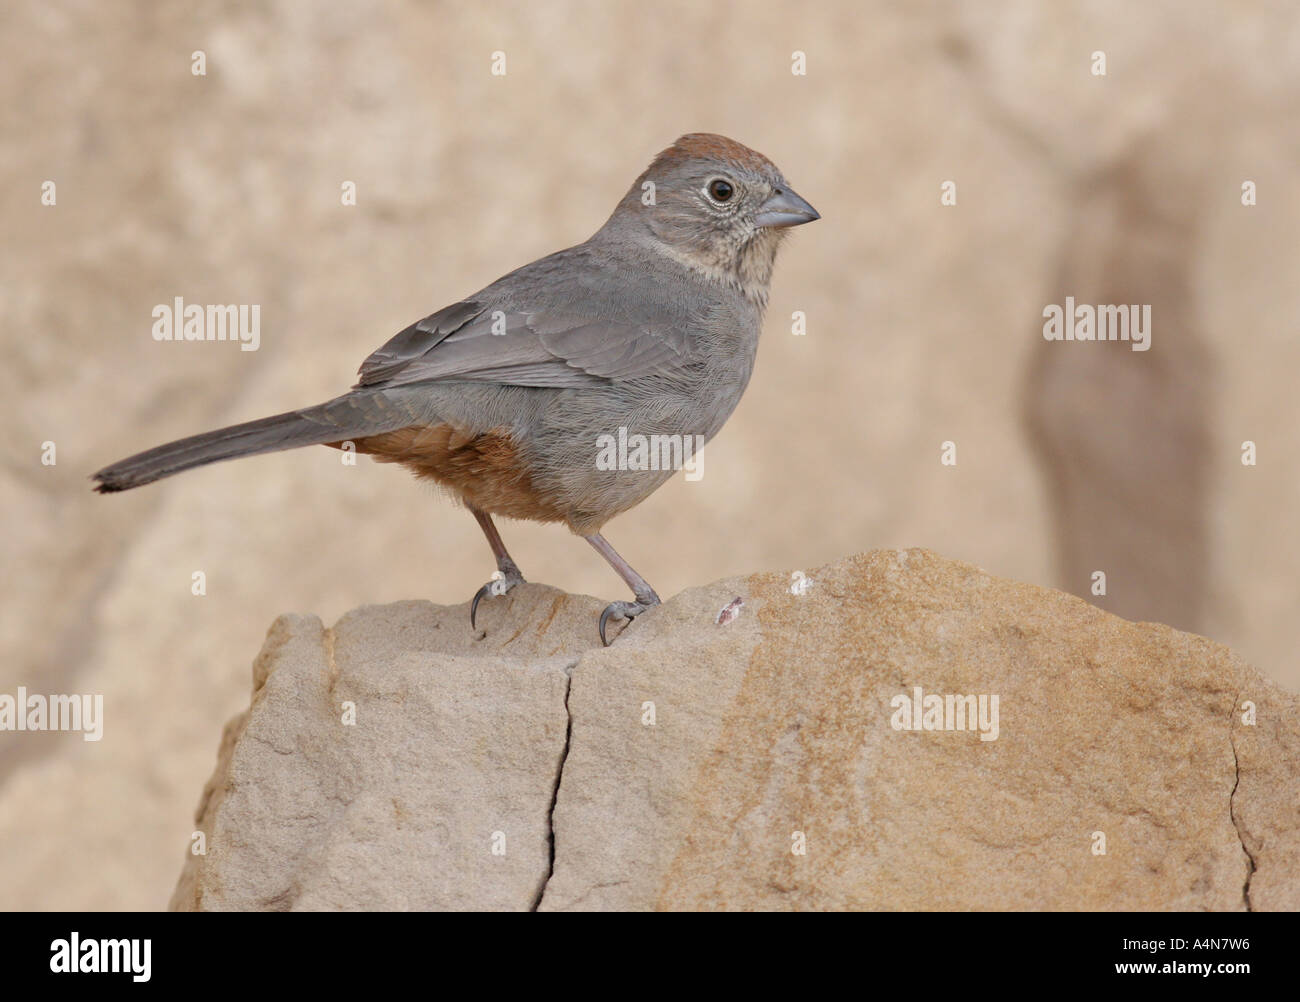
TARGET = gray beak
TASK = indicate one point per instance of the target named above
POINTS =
(785, 208)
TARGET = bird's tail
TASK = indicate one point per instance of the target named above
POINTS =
(354, 415)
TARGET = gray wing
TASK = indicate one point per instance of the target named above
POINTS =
(468, 341)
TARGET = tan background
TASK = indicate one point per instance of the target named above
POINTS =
(923, 325)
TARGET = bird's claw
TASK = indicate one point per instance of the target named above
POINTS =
(501, 583)
(622, 610)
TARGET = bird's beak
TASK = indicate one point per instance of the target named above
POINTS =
(785, 208)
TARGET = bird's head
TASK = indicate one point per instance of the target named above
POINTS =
(716, 206)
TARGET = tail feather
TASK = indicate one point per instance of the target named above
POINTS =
(341, 419)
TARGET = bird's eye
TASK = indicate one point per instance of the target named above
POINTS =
(720, 190)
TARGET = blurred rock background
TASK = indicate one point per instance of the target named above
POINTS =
(924, 326)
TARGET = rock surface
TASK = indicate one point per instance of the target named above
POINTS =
(686, 766)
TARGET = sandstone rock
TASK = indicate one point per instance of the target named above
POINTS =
(683, 767)
(454, 749)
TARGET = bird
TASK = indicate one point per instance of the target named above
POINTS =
(650, 327)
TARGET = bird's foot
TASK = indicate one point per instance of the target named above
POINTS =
(502, 581)
(626, 610)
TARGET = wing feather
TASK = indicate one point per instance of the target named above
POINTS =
(469, 341)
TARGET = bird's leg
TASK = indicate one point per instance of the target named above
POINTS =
(645, 595)
(508, 571)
